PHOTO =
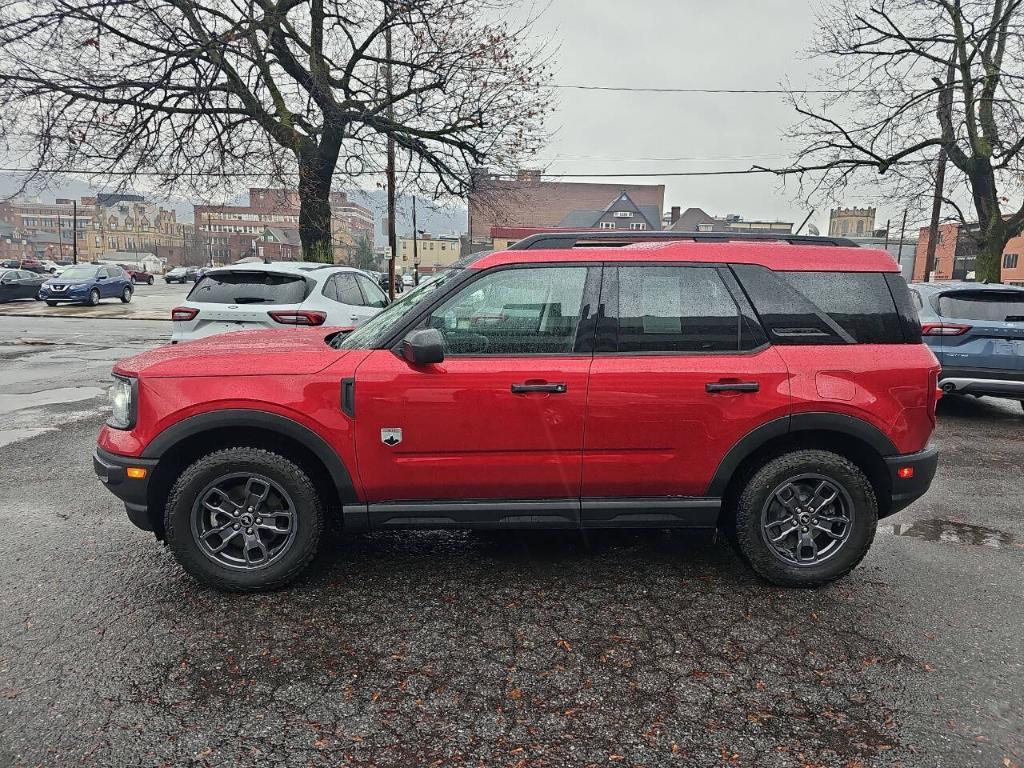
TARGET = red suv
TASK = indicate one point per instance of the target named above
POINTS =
(775, 389)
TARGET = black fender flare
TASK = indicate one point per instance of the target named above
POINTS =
(798, 422)
(243, 417)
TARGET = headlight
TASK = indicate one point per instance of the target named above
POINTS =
(122, 402)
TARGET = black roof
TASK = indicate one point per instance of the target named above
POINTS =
(613, 239)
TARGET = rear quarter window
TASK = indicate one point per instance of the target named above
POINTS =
(994, 306)
(831, 307)
(250, 288)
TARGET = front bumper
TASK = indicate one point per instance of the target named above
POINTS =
(905, 491)
(112, 470)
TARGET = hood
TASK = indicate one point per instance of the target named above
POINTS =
(288, 351)
(57, 280)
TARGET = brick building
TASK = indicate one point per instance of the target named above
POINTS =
(106, 224)
(845, 222)
(528, 201)
(956, 252)
(269, 226)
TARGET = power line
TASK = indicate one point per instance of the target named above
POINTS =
(770, 91)
(211, 174)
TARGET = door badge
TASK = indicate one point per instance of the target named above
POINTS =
(391, 436)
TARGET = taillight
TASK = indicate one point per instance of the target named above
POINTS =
(299, 317)
(184, 313)
(944, 329)
(934, 393)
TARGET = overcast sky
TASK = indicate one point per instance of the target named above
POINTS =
(683, 44)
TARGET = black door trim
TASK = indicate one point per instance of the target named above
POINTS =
(625, 512)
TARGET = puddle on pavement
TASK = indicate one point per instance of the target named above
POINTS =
(952, 532)
(11, 403)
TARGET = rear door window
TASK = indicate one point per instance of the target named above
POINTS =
(249, 288)
(994, 306)
(673, 309)
(346, 290)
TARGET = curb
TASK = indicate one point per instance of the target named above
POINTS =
(104, 316)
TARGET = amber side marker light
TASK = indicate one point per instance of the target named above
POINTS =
(904, 473)
(138, 473)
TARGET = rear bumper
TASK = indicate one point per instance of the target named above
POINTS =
(905, 491)
(983, 381)
(111, 469)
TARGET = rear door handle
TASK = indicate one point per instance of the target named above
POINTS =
(555, 389)
(731, 386)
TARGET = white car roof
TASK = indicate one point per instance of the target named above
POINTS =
(305, 268)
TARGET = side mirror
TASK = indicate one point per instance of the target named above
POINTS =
(423, 347)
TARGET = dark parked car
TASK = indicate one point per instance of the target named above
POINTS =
(87, 284)
(182, 275)
(19, 284)
(34, 265)
(139, 275)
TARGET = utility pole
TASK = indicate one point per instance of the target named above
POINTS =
(60, 237)
(209, 236)
(415, 251)
(940, 180)
(74, 231)
(389, 83)
(888, 223)
(903, 231)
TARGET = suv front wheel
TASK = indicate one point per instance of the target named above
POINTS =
(244, 519)
(806, 518)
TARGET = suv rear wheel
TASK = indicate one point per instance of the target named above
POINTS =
(244, 519)
(806, 518)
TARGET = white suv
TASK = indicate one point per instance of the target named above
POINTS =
(250, 296)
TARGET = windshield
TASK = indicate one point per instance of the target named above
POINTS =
(378, 327)
(80, 272)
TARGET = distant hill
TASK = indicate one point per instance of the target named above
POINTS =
(433, 218)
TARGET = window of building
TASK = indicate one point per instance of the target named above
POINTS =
(637, 225)
(534, 310)
(675, 309)
(705, 227)
(1010, 260)
(607, 225)
(860, 226)
(623, 214)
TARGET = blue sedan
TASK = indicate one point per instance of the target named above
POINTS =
(87, 284)
(977, 332)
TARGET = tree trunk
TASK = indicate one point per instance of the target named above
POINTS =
(315, 209)
(988, 267)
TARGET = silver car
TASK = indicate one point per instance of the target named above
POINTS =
(251, 296)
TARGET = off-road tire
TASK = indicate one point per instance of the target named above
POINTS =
(757, 552)
(292, 478)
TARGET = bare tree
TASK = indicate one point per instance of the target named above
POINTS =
(203, 93)
(911, 79)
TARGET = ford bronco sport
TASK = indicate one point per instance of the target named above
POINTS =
(773, 388)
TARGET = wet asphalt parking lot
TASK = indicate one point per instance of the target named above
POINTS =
(464, 649)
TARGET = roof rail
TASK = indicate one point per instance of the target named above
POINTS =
(612, 239)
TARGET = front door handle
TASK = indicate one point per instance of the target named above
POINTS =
(555, 389)
(731, 386)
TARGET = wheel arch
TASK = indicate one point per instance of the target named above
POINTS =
(182, 443)
(857, 440)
